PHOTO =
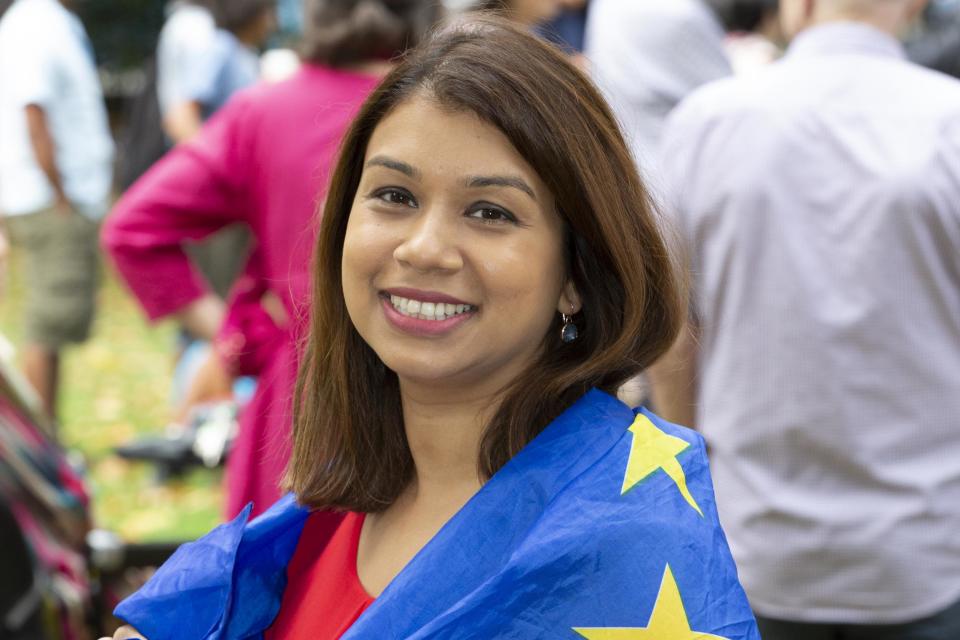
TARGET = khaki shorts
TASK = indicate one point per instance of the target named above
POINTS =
(61, 274)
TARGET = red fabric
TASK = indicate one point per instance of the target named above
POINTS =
(323, 595)
(264, 160)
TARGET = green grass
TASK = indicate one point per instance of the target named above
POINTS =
(114, 387)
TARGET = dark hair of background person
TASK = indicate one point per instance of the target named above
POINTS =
(490, 5)
(742, 15)
(338, 33)
(350, 449)
(936, 44)
(235, 15)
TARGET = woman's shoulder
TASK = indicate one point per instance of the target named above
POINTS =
(631, 537)
(618, 458)
(609, 479)
(637, 529)
(655, 475)
(648, 498)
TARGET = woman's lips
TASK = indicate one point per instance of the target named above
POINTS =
(433, 323)
(422, 296)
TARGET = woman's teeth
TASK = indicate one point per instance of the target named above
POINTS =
(428, 310)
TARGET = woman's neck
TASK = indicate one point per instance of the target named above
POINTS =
(444, 435)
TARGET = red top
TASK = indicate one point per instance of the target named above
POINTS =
(324, 596)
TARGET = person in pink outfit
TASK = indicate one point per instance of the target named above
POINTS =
(262, 160)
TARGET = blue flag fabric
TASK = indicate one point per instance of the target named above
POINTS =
(604, 527)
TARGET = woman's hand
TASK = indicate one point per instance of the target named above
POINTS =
(126, 633)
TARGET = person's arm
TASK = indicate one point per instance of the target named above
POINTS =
(248, 338)
(673, 380)
(211, 382)
(45, 152)
(202, 317)
(183, 121)
(195, 190)
(187, 72)
(674, 377)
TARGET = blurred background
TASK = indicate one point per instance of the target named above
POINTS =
(118, 455)
(120, 381)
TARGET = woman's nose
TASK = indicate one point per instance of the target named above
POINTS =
(430, 244)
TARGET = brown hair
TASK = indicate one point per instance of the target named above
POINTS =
(350, 449)
(342, 32)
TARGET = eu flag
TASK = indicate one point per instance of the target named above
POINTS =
(604, 527)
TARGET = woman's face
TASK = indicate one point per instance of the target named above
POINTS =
(453, 265)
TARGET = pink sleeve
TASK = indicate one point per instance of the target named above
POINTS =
(194, 190)
(249, 339)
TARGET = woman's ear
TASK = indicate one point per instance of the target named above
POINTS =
(570, 302)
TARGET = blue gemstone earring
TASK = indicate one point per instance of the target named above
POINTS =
(569, 331)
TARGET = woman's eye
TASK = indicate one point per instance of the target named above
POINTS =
(492, 214)
(396, 196)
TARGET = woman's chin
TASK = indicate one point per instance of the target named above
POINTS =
(427, 376)
(444, 378)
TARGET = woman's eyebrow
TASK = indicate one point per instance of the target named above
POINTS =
(501, 181)
(396, 165)
(474, 182)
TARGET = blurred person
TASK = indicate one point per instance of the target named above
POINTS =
(543, 17)
(819, 203)
(489, 269)
(207, 51)
(647, 55)
(56, 158)
(568, 28)
(46, 590)
(529, 13)
(262, 161)
(755, 38)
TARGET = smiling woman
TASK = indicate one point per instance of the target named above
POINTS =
(484, 204)
(447, 212)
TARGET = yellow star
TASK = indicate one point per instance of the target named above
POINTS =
(652, 449)
(667, 622)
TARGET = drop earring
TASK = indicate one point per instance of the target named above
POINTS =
(569, 331)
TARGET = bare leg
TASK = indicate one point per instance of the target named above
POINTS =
(42, 367)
